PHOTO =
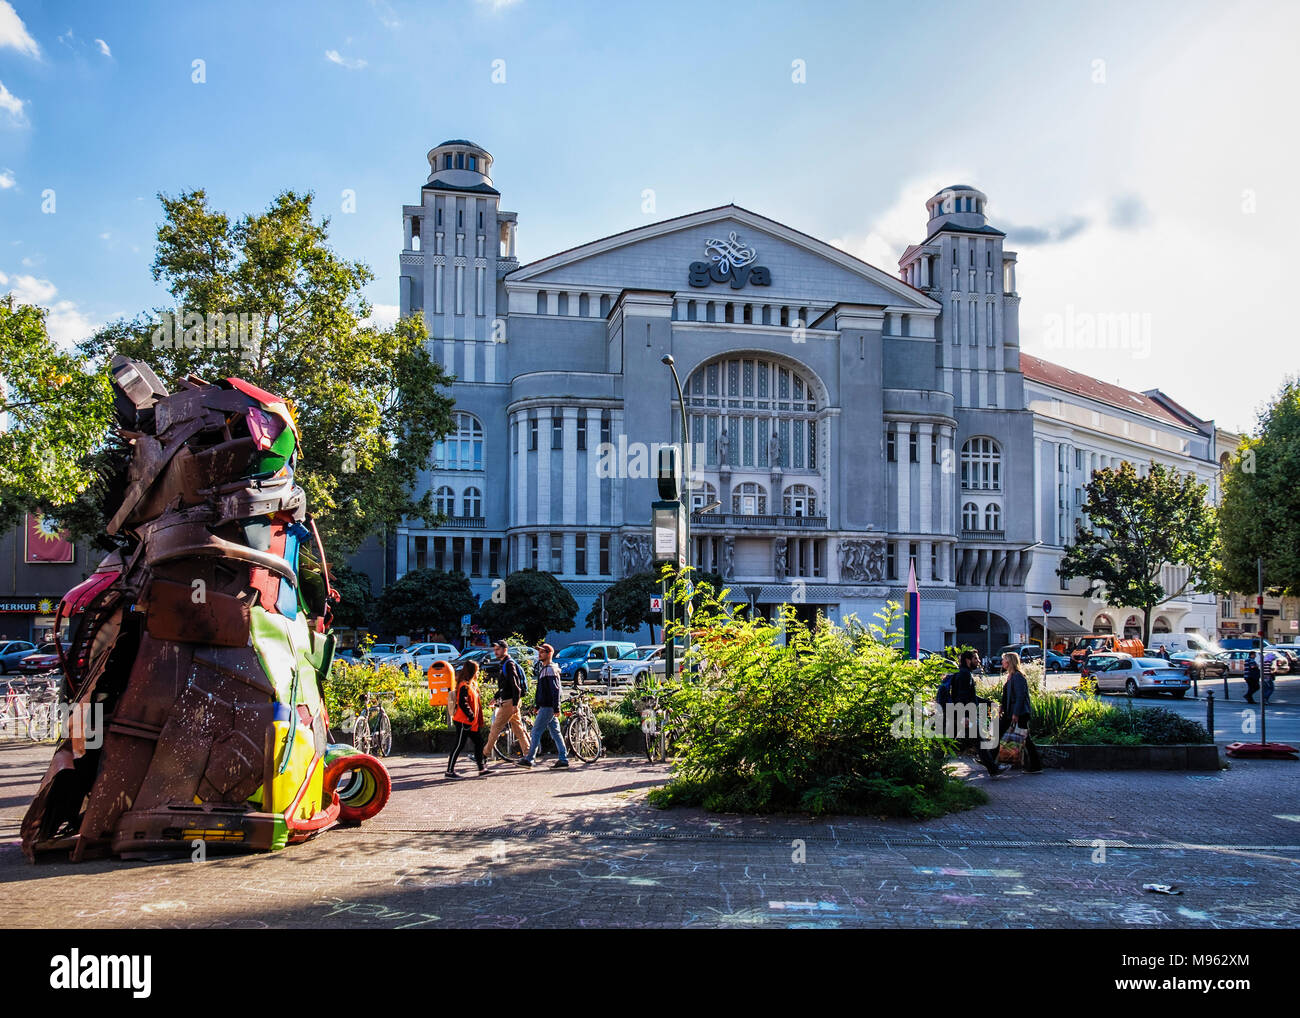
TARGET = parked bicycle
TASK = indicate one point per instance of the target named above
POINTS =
(372, 732)
(578, 727)
(30, 710)
(658, 724)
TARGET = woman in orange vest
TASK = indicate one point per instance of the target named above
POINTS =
(467, 718)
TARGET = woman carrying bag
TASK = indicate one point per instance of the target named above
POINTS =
(1015, 746)
(467, 717)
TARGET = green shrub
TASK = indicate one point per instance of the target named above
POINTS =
(805, 723)
(614, 728)
(410, 713)
(1160, 726)
(348, 682)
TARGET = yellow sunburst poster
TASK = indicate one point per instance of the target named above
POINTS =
(46, 543)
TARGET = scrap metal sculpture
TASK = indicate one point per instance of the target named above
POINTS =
(200, 647)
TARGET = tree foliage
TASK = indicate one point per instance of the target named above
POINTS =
(357, 605)
(368, 400)
(425, 601)
(57, 413)
(531, 603)
(1260, 512)
(627, 601)
(1137, 526)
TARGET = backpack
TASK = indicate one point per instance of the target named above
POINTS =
(520, 676)
(944, 696)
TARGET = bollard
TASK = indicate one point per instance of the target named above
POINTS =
(1225, 685)
(1209, 711)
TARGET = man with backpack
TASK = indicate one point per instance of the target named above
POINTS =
(511, 687)
(958, 700)
(548, 704)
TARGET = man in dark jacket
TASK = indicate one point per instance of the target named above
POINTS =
(510, 690)
(1251, 675)
(548, 703)
(965, 706)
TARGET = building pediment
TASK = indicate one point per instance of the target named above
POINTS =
(726, 253)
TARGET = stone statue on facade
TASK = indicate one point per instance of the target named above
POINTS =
(862, 561)
(728, 557)
(636, 554)
(774, 450)
(779, 548)
(724, 447)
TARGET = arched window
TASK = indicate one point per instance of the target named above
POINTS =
(702, 494)
(981, 465)
(753, 412)
(749, 499)
(472, 502)
(799, 500)
(1103, 625)
(970, 516)
(993, 516)
(444, 501)
(462, 449)
(1160, 625)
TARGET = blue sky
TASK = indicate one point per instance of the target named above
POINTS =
(1137, 157)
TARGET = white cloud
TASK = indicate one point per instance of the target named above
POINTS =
(13, 32)
(12, 105)
(382, 316)
(496, 5)
(334, 57)
(387, 16)
(899, 225)
(68, 325)
(103, 47)
(7, 180)
(30, 290)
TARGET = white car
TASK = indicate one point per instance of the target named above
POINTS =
(425, 654)
(635, 666)
(1139, 675)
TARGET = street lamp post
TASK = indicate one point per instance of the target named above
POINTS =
(686, 516)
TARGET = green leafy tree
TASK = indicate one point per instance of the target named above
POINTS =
(56, 411)
(424, 601)
(1259, 517)
(531, 603)
(627, 601)
(369, 401)
(1138, 525)
(357, 604)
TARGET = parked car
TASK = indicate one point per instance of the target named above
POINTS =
(1183, 643)
(1105, 644)
(12, 652)
(638, 664)
(1292, 651)
(1199, 664)
(425, 654)
(1236, 661)
(45, 659)
(1243, 643)
(1138, 676)
(486, 659)
(1095, 663)
(579, 660)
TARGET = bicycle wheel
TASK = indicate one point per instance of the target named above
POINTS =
(382, 739)
(361, 733)
(586, 740)
(654, 747)
(38, 723)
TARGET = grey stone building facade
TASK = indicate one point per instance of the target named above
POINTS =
(841, 415)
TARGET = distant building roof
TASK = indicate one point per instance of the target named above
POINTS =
(1038, 370)
(954, 228)
(1176, 408)
(476, 188)
(458, 141)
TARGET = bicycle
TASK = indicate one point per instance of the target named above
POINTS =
(581, 730)
(658, 725)
(13, 712)
(372, 732)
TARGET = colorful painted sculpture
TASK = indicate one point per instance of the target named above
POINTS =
(199, 649)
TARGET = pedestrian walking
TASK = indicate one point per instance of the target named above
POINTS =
(1265, 678)
(548, 702)
(1015, 711)
(511, 686)
(467, 718)
(957, 703)
(1251, 675)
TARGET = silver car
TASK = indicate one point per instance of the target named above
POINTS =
(635, 666)
(1138, 676)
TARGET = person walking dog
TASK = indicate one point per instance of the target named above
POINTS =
(467, 718)
(511, 686)
(548, 702)
(1015, 711)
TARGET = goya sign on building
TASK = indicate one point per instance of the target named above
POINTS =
(729, 261)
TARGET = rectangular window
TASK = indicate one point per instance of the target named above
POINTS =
(532, 435)
(438, 216)
(934, 448)
(934, 562)
(580, 554)
(911, 553)
(606, 431)
(494, 557)
(532, 550)
(460, 160)
(460, 219)
(557, 432)
(476, 557)
(582, 432)
(480, 220)
(913, 452)
(446, 161)
(440, 553)
(604, 555)
(557, 553)
(891, 452)
(421, 553)
(891, 567)
(473, 165)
